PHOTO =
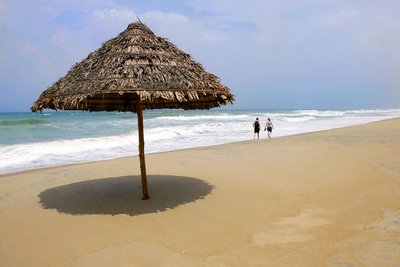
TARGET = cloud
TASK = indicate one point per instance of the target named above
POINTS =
(115, 14)
(343, 19)
(95, 26)
(180, 27)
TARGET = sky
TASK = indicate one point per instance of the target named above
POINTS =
(272, 54)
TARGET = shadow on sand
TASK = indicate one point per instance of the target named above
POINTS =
(123, 195)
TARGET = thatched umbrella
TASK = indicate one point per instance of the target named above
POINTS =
(136, 71)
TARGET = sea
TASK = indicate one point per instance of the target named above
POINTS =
(36, 140)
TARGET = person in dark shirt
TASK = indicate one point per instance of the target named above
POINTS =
(256, 126)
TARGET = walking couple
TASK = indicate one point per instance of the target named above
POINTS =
(268, 127)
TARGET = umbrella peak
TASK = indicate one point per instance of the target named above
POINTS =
(138, 25)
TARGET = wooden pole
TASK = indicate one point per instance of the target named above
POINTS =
(141, 150)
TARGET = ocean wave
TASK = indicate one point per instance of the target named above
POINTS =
(201, 117)
(22, 122)
(298, 118)
(14, 157)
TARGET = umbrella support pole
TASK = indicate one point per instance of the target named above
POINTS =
(141, 150)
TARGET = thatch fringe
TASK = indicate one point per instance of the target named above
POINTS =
(123, 101)
(135, 64)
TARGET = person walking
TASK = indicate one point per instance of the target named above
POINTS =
(268, 127)
(256, 126)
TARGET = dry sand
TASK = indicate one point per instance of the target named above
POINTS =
(321, 199)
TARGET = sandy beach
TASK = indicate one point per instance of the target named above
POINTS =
(321, 199)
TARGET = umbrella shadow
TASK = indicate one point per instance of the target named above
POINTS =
(123, 195)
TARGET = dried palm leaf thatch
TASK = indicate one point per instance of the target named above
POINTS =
(136, 63)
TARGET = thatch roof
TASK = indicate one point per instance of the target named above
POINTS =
(135, 63)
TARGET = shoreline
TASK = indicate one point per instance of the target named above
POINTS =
(326, 198)
(183, 149)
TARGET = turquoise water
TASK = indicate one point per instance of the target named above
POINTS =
(33, 140)
(20, 128)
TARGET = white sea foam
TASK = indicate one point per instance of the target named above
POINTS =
(82, 137)
(202, 117)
